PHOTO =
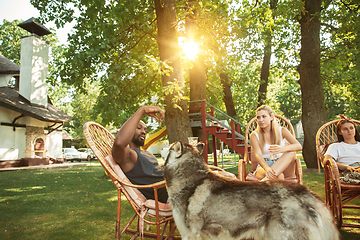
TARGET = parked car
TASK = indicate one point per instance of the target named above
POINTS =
(84, 155)
(71, 154)
(89, 153)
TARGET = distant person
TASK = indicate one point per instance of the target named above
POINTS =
(346, 152)
(141, 167)
(273, 147)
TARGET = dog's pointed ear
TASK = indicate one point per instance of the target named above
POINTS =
(200, 147)
(178, 149)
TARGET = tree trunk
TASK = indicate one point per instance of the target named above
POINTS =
(264, 77)
(197, 91)
(313, 106)
(265, 68)
(228, 99)
(197, 72)
(176, 120)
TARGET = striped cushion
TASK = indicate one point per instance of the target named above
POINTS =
(134, 193)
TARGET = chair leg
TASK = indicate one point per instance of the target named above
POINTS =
(127, 225)
(148, 225)
(171, 230)
(163, 230)
(338, 208)
(117, 228)
(335, 201)
(135, 236)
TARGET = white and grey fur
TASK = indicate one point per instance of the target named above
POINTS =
(208, 206)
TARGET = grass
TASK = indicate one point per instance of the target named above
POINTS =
(73, 203)
(76, 203)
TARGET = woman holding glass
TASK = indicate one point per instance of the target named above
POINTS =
(273, 147)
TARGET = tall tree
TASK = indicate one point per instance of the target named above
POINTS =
(313, 107)
(222, 55)
(340, 58)
(197, 73)
(264, 29)
(228, 98)
(265, 68)
(176, 118)
(116, 43)
(10, 40)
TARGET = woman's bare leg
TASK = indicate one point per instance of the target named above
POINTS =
(290, 170)
(285, 164)
(284, 167)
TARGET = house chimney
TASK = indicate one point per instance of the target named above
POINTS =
(34, 63)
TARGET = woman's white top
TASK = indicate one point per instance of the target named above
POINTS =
(344, 153)
(265, 151)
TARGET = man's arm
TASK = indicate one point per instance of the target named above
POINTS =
(121, 152)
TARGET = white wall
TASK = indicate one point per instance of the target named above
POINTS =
(4, 79)
(7, 115)
(34, 69)
(13, 143)
(54, 145)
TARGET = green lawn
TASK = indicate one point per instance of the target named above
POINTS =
(75, 203)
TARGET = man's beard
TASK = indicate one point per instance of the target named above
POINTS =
(138, 142)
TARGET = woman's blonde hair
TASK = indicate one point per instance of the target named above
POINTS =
(275, 133)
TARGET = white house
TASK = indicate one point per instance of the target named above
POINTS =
(30, 126)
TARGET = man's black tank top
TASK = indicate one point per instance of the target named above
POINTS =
(147, 171)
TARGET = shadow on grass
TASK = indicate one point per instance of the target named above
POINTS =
(347, 234)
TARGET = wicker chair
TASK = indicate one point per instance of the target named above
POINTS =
(338, 194)
(245, 165)
(101, 141)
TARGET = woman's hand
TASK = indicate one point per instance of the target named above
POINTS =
(270, 173)
(353, 169)
(276, 149)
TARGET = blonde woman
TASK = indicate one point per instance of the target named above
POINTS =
(273, 147)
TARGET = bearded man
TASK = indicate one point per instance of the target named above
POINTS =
(141, 167)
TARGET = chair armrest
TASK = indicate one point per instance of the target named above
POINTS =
(242, 170)
(156, 185)
(331, 169)
(216, 168)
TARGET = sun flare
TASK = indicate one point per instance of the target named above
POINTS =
(191, 50)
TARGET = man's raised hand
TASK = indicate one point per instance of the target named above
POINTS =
(155, 112)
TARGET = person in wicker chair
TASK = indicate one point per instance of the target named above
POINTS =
(273, 147)
(141, 167)
(346, 152)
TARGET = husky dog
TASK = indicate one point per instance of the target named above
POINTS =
(208, 206)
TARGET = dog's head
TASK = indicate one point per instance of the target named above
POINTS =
(180, 148)
(183, 159)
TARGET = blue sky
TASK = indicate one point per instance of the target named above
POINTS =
(22, 10)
